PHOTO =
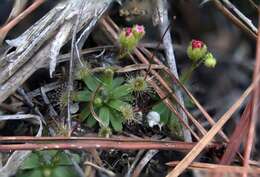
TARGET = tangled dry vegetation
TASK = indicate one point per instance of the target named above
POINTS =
(111, 88)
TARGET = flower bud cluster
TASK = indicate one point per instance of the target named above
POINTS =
(130, 37)
(198, 51)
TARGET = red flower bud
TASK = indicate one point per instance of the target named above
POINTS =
(128, 31)
(197, 44)
(196, 50)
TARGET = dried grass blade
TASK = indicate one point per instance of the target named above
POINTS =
(219, 168)
(255, 108)
(211, 133)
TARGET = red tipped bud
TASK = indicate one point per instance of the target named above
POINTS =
(130, 37)
(196, 50)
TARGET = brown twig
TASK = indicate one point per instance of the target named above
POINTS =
(44, 143)
(234, 19)
(219, 168)
(242, 17)
(108, 172)
(253, 4)
(5, 29)
(255, 108)
(148, 156)
(72, 63)
(237, 137)
(157, 47)
(134, 164)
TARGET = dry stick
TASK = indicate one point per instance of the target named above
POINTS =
(29, 102)
(17, 8)
(71, 64)
(108, 172)
(24, 72)
(113, 24)
(34, 38)
(137, 158)
(4, 30)
(47, 87)
(48, 104)
(108, 28)
(253, 4)
(97, 143)
(24, 139)
(148, 156)
(255, 108)
(75, 164)
(246, 20)
(234, 19)
(219, 168)
(9, 108)
(211, 133)
(157, 47)
(65, 57)
(237, 137)
(11, 77)
(170, 57)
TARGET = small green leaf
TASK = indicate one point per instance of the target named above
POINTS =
(31, 173)
(121, 91)
(175, 126)
(83, 96)
(116, 122)
(117, 82)
(189, 103)
(62, 171)
(31, 162)
(165, 116)
(116, 104)
(127, 98)
(91, 121)
(107, 77)
(84, 113)
(104, 115)
(91, 82)
(46, 157)
(164, 112)
(66, 159)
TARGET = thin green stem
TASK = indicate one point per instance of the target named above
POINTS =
(185, 77)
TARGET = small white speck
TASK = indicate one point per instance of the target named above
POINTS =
(74, 108)
(153, 118)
